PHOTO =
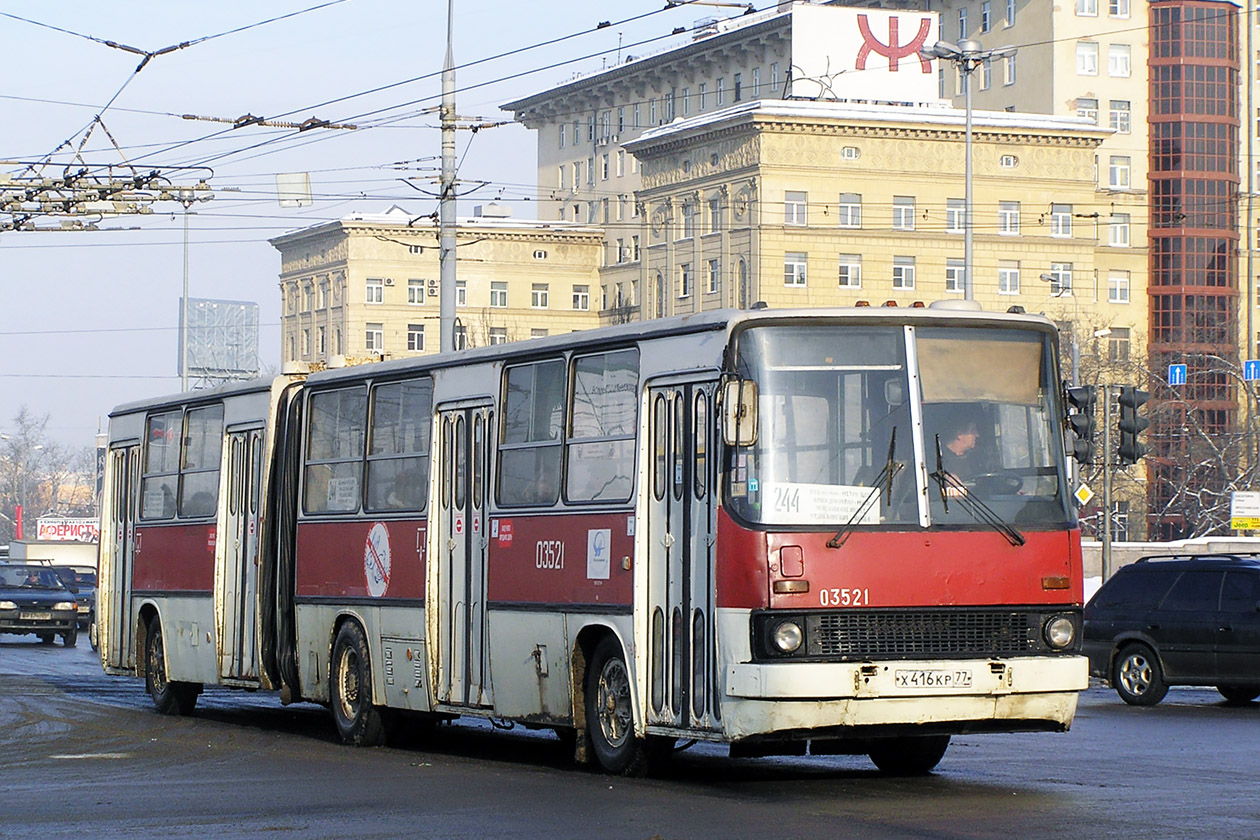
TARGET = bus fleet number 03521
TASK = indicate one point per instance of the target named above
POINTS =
(844, 597)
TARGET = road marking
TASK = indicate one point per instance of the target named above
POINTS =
(81, 756)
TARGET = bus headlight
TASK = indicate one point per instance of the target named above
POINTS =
(1060, 632)
(787, 637)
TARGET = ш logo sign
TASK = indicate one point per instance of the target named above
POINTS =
(892, 50)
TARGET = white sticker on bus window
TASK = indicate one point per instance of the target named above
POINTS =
(831, 504)
(343, 493)
(598, 554)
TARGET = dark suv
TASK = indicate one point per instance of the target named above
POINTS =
(1178, 620)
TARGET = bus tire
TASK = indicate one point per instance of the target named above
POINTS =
(359, 723)
(169, 696)
(911, 756)
(610, 713)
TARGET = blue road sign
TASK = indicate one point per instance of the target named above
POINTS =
(1176, 374)
(1251, 370)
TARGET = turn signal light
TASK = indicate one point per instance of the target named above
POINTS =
(1055, 583)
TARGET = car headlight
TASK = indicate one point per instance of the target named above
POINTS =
(1060, 632)
(8, 605)
(787, 636)
(63, 605)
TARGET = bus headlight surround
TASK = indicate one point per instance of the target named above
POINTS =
(787, 636)
(1060, 632)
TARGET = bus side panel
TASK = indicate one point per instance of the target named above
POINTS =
(334, 559)
(188, 635)
(577, 558)
(742, 572)
(529, 655)
(175, 558)
(942, 569)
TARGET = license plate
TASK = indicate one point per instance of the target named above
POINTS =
(35, 616)
(932, 678)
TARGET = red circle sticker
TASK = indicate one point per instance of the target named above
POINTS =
(376, 560)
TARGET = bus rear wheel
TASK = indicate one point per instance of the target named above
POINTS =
(359, 723)
(610, 713)
(169, 696)
(911, 756)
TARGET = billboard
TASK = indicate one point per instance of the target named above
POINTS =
(222, 338)
(846, 53)
(68, 530)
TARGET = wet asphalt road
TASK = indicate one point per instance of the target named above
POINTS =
(84, 755)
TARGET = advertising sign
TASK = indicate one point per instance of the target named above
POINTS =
(68, 530)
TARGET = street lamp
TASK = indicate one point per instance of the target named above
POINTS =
(967, 55)
(187, 196)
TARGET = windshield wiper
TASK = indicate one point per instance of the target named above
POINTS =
(883, 481)
(974, 508)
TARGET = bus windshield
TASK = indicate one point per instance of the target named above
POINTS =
(839, 408)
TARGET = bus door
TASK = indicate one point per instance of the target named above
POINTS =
(681, 512)
(236, 589)
(463, 672)
(115, 626)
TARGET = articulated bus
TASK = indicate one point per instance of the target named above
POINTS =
(793, 532)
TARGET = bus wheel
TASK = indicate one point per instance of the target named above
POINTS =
(46, 638)
(913, 756)
(170, 697)
(359, 723)
(609, 714)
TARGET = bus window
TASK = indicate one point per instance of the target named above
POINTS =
(161, 465)
(203, 446)
(702, 445)
(398, 448)
(599, 456)
(660, 443)
(334, 451)
(530, 438)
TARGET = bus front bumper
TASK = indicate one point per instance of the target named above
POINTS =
(1036, 693)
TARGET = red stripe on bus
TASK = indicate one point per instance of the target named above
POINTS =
(174, 558)
(528, 566)
(332, 558)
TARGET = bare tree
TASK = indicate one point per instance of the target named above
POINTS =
(41, 476)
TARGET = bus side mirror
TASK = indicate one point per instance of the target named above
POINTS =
(739, 413)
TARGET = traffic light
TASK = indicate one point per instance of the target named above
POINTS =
(1082, 399)
(1131, 424)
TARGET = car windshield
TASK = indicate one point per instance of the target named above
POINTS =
(78, 577)
(29, 577)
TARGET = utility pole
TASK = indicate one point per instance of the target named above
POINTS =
(1107, 473)
(446, 204)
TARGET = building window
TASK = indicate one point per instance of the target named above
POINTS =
(739, 86)
(621, 163)
(1061, 220)
(1008, 161)
(415, 292)
(1118, 287)
(1087, 108)
(415, 336)
(375, 291)
(756, 85)
(1118, 8)
(715, 215)
(986, 16)
(538, 333)
(498, 294)
(562, 133)
(704, 95)
(794, 208)
(986, 74)
(1118, 172)
(849, 210)
(1121, 119)
(903, 273)
(498, 335)
(306, 342)
(1087, 58)
(955, 215)
(1008, 218)
(1010, 12)
(1087, 8)
(715, 275)
(538, 296)
(582, 298)
(590, 171)
(685, 280)
(1119, 60)
(851, 271)
(795, 268)
(721, 91)
(955, 275)
(903, 212)
(962, 24)
(590, 129)
(322, 340)
(1010, 74)
(577, 174)
(774, 78)
(687, 213)
(1118, 230)
(375, 338)
(1060, 278)
(461, 292)
(1118, 345)
(460, 339)
(686, 100)
(634, 248)
(621, 119)
(604, 167)
(1008, 277)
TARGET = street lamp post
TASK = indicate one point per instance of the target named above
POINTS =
(187, 197)
(967, 55)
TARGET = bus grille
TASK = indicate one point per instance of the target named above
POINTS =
(917, 633)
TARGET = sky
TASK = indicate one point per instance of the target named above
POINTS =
(88, 319)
